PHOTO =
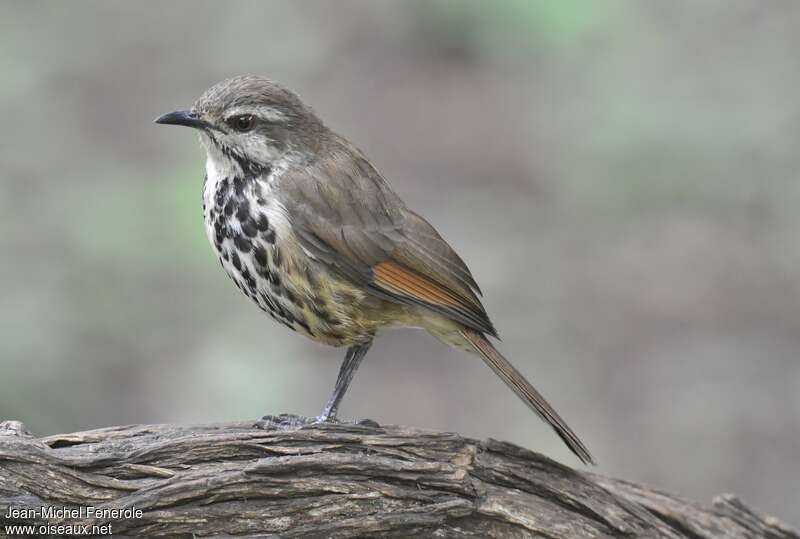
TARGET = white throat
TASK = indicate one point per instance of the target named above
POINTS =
(245, 149)
(220, 167)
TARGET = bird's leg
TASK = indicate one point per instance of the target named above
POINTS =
(346, 372)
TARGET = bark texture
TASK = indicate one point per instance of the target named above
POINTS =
(292, 479)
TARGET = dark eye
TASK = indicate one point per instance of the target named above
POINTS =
(242, 123)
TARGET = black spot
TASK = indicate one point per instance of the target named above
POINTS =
(241, 161)
(324, 315)
(261, 255)
(218, 240)
(277, 289)
(301, 321)
(277, 257)
(221, 228)
(268, 301)
(242, 243)
(263, 271)
(249, 281)
(291, 296)
(229, 208)
(249, 228)
(238, 186)
(225, 255)
(219, 198)
(263, 223)
(310, 277)
(243, 211)
(236, 262)
(274, 278)
(288, 325)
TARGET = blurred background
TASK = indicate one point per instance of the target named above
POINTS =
(622, 178)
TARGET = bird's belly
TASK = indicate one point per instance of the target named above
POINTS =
(258, 253)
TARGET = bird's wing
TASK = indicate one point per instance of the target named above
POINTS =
(347, 217)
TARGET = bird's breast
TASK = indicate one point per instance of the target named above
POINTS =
(251, 234)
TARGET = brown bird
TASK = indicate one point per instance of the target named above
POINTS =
(311, 232)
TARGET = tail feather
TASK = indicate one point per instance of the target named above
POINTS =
(525, 391)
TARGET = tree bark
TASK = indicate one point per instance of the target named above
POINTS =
(294, 479)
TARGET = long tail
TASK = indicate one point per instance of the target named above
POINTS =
(525, 391)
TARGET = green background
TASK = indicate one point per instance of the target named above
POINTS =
(622, 178)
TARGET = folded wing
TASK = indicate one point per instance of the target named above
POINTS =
(355, 224)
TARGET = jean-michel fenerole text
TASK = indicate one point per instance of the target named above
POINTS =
(79, 512)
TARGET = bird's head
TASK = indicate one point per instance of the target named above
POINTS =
(248, 123)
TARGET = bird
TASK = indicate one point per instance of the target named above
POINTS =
(310, 231)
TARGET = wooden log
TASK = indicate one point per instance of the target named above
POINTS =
(295, 479)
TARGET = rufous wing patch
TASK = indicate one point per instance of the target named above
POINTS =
(410, 286)
(400, 280)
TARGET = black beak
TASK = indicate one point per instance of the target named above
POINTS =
(182, 117)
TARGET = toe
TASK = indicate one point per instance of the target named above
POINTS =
(283, 421)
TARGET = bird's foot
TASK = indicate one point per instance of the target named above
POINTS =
(292, 421)
(332, 419)
(283, 422)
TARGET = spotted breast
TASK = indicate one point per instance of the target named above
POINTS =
(252, 238)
